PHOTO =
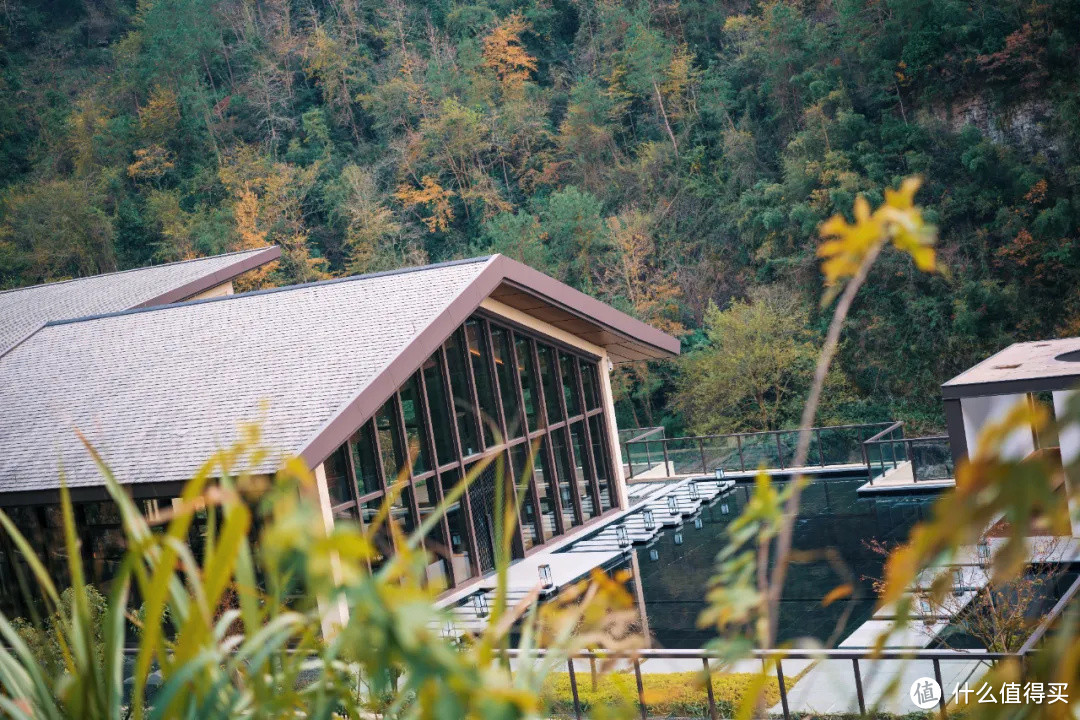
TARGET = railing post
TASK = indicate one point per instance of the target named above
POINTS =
(783, 690)
(820, 449)
(629, 460)
(858, 686)
(573, 688)
(866, 460)
(667, 463)
(640, 689)
(779, 451)
(648, 457)
(708, 686)
(701, 447)
(742, 464)
(910, 448)
(937, 676)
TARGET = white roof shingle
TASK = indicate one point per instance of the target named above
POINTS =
(156, 391)
(25, 310)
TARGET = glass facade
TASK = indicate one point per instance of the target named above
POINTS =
(491, 391)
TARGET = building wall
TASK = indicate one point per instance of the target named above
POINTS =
(544, 429)
(980, 411)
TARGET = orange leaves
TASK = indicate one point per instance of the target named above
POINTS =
(504, 53)
(847, 246)
(151, 163)
(434, 196)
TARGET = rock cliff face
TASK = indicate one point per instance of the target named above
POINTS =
(1025, 125)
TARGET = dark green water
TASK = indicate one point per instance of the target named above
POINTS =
(830, 533)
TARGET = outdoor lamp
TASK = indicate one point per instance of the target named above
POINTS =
(958, 581)
(546, 581)
(984, 550)
(678, 538)
(647, 516)
(724, 509)
(924, 607)
(697, 523)
(654, 554)
(719, 473)
(622, 536)
(695, 492)
(673, 504)
(449, 630)
(480, 605)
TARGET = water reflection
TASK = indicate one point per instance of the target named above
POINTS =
(830, 532)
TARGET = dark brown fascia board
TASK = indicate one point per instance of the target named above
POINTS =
(497, 270)
(206, 282)
(1010, 387)
(167, 489)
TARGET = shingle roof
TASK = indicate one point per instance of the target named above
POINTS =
(158, 390)
(24, 310)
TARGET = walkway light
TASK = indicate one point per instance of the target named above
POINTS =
(924, 607)
(697, 523)
(480, 605)
(958, 581)
(449, 630)
(673, 504)
(718, 473)
(647, 516)
(695, 491)
(546, 581)
(678, 538)
(654, 554)
(984, 550)
(724, 510)
(622, 536)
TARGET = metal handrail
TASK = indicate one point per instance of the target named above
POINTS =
(741, 439)
(880, 442)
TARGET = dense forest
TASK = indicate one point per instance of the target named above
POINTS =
(674, 158)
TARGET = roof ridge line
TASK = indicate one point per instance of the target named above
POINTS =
(267, 291)
(135, 269)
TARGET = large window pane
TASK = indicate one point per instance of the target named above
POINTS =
(504, 366)
(381, 537)
(462, 396)
(337, 477)
(441, 427)
(527, 373)
(462, 560)
(364, 461)
(591, 384)
(550, 377)
(519, 458)
(485, 382)
(415, 432)
(400, 513)
(582, 471)
(544, 490)
(393, 458)
(566, 475)
(597, 430)
(569, 383)
(439, 555)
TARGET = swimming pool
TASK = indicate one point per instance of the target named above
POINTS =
(674, 570)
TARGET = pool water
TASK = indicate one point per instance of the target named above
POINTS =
(833, 525)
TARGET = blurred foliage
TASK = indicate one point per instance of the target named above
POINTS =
(661, 155)
(279, 616)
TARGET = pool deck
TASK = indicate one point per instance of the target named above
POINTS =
(902, 479)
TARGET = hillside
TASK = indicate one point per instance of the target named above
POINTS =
(660, 155)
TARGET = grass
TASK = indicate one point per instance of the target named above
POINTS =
(680, 694)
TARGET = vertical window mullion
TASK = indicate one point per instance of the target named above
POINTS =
(403, 437)
(500, 412)
(455, 437)
(595, 477)
(552, 473)
(425, 418)
(575, 493)
(511, 338)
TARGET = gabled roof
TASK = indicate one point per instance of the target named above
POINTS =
(158, 390)
(24, 310)
(1021, 367)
